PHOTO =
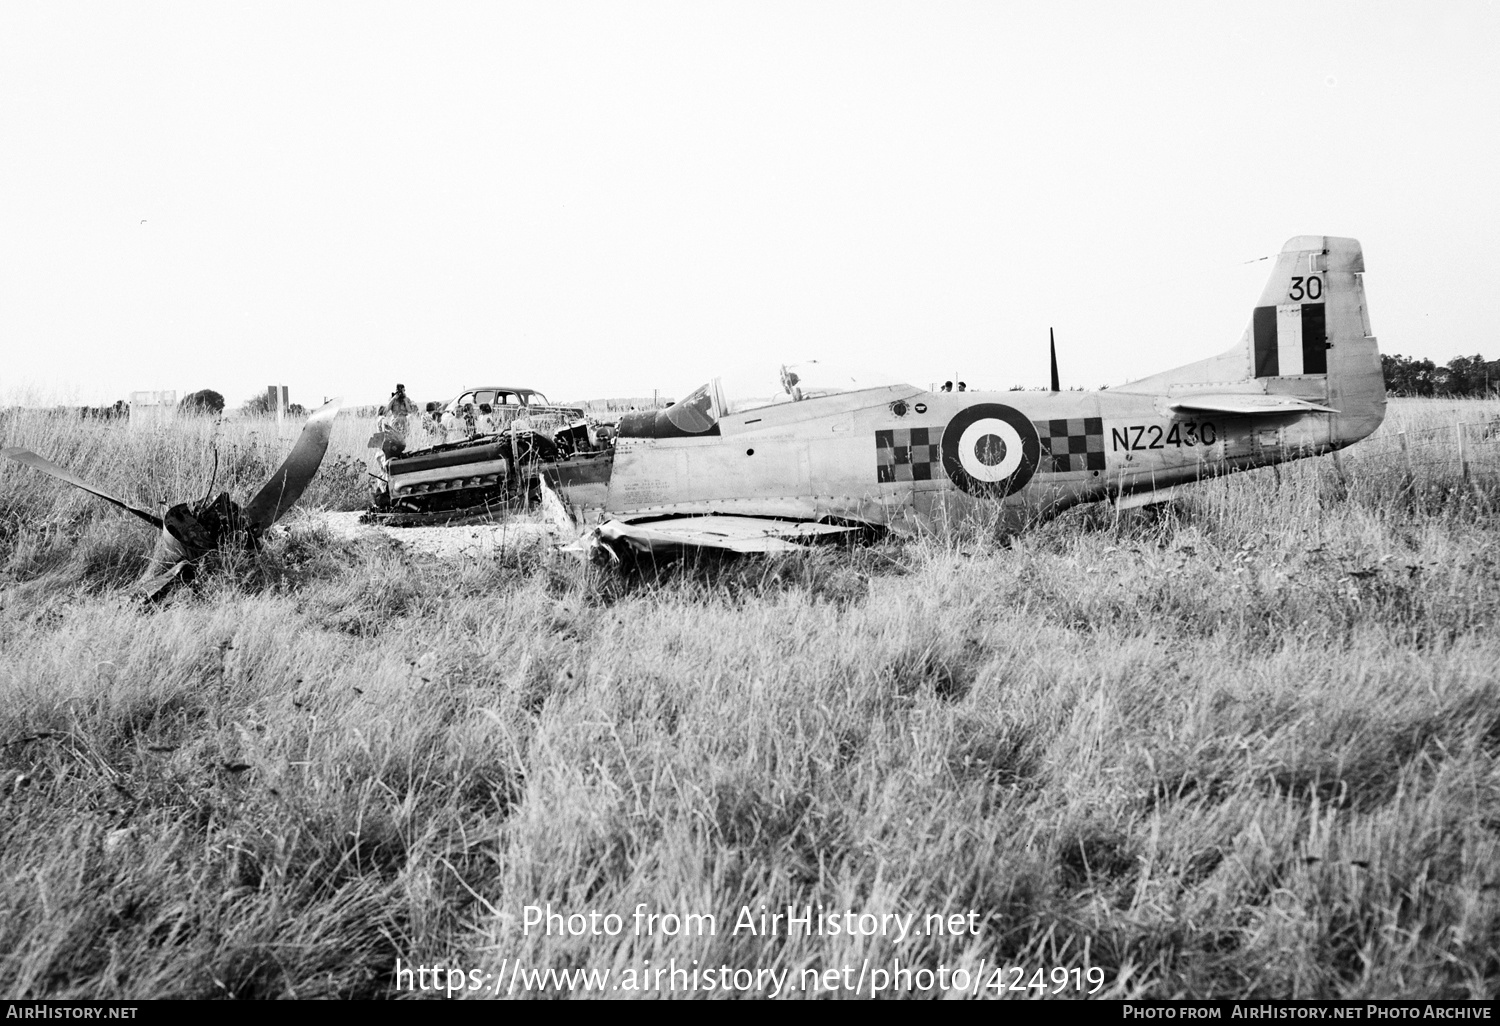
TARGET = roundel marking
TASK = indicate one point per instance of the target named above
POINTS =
(991, 450)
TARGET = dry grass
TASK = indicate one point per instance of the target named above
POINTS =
(1245, 745)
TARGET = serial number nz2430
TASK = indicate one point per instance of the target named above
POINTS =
(1178, 434)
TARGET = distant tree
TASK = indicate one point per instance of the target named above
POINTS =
(1407, 376)
(1467, 375)
(1461, 376)
(120, 410)
(256, 406)
(297, 410)
(204, 400)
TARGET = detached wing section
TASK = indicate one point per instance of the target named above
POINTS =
(729, 533)
(1251, 405)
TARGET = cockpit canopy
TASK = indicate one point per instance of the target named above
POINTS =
(698, 413)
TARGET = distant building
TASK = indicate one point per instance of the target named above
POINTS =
(276, 401)
(148, 409)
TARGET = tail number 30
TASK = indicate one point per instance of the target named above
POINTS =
(1307, 288)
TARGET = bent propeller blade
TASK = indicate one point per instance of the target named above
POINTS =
(51, 469)
(291, 478)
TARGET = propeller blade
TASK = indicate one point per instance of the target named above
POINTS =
(156, 582)
(1056, 386)
(291, 478)
(51, 469)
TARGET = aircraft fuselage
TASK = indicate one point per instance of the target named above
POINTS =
(1304, 379)
(893, 455)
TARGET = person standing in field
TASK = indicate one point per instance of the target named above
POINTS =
(432, 422)
(397, 410)
(485, 423)
(453, 426)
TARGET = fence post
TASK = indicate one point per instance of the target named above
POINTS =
(1409, 480)
(1342, 491)
(1463, 449)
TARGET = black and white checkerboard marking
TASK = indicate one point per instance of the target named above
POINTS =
(908, 454)
(1073, 444)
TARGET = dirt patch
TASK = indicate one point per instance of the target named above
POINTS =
(464, 541)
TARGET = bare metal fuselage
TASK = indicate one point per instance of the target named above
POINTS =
(851, 457)
(1305, 379)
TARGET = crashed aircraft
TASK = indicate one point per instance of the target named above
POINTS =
(821, 461)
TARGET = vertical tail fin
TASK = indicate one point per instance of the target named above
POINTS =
(1315, 298)
(1308, 337)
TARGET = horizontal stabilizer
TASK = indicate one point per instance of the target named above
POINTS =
(732, 534)
(1251, 405)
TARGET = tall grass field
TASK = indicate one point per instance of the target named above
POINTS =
(1245, 745)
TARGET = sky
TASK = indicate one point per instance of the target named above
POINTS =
(611, 199)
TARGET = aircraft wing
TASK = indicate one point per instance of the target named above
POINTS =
(1252, 405)
(730, 533)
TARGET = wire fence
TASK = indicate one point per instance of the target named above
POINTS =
(1443, 462)
(1461, 445)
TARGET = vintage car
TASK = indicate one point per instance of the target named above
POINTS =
(507, 404)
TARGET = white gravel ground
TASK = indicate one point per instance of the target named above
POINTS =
(468, 540)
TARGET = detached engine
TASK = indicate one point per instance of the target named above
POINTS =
(477, 476)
